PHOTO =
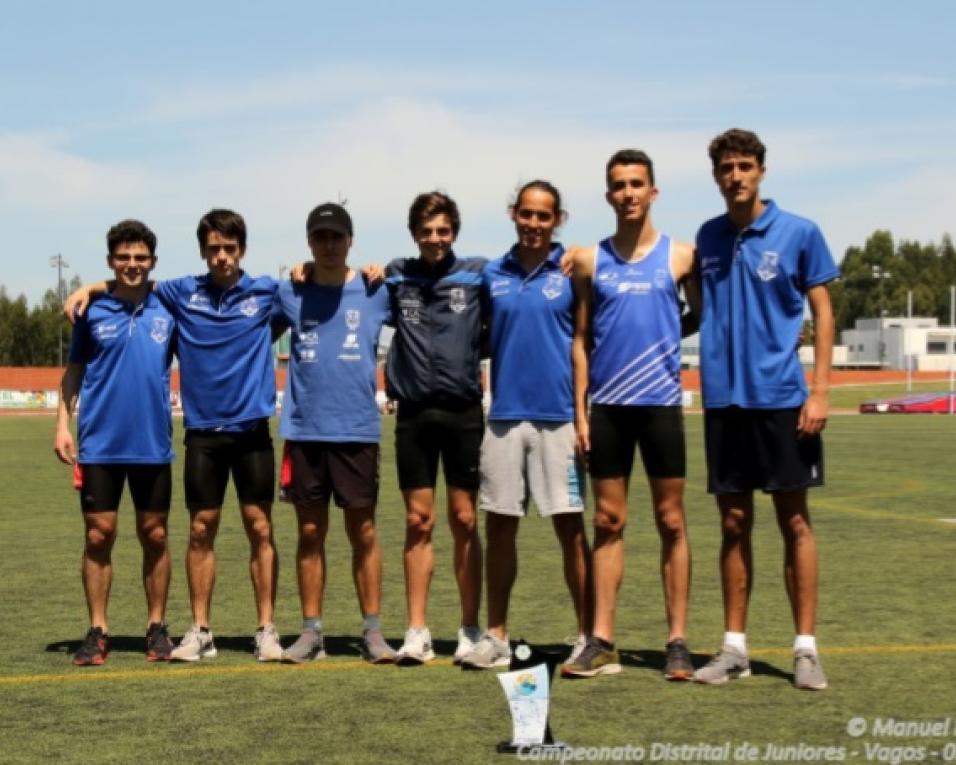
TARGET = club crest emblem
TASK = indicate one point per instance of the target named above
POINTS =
(249, 306)
(159, 329)
(769, 265)
(553, 286)
(353, 318)
(456, 299)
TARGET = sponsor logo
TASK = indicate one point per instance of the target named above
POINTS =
(500, 287)
(660, 278)
(456, 299)
(607, 276)
(710, 263)
(199, 301)
(350, 357)
(634, 288)
(351, 341)
(308, 355)
(106, 331)
(553, 286)
(309, 337)
(249, 306)
(411, 314)
(769, 266)
(159, 329)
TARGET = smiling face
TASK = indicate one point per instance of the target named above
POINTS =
(536, 218)
(738, 177)
(630, 192)
(434, 237)
(222, 255)
(131, 263)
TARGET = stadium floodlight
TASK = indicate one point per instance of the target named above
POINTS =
(57, 262)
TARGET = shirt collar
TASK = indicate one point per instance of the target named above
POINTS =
(244, 281)
(551, 262)
(767, 217)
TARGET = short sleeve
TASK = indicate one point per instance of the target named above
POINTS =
(818, 266)
(80, 345)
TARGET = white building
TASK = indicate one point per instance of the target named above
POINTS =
(917, 341)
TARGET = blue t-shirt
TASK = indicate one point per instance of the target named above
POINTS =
(754, 283)
(532, 325)
(330, 389)
(635, 326)
(124, 412)
(225, 349)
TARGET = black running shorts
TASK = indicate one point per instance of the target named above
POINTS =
(423, 433)
(313, 471)
(150, 487)
(657, 430)
(750, 449)
(212, 455)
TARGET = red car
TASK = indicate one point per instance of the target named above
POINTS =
(913, 403)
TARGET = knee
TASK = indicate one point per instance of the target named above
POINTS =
(99, 540)
(311, 537)
(796, 527)
(464, 520)
(609, 519)
(259, 532)
(735, 526)
(671, 524)
(154, 538)
(202, 534)
(419, 525)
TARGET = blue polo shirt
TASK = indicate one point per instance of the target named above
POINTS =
(124, 415)
(225, 349)
(532, 324)
(330, 389)
(754, 283)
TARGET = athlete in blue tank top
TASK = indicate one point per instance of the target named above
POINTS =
(119, 367)
(627, 368)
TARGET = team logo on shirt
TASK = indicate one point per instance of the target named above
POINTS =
(553, 286)
(249, 307)
(199, 301)
(769, 265)
(353, 318)
(456, 299)
(159, 329)
(660, 278)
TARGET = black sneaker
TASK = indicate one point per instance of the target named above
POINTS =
(158, 644)
(678, 665)
(94, 649)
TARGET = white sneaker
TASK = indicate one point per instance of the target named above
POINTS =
(417, 648)
(468, 638)
(267, 645)
(488, 652)
(196, 644)
(576, 648)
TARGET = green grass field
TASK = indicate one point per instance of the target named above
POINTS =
(887, 628)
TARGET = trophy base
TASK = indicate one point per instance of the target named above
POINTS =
(509, 747)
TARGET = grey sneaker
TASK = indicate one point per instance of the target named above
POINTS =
(807, 672)
(307, 647)
(577, 648)
(375, 649)
(728, 664)
(595, 659)
(488, 652)
(417, 648)
(196, 644)
(468, 638)
(267, 645)
(678, 665)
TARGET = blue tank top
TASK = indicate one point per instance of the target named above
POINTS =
(635, 358)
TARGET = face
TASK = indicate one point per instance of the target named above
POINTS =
(535, 219)
(630, 191)
(738, 177)
(434, 237)
(329, 249)
(222, 255)
(131, 263)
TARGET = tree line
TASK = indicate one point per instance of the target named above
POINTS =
(32, 337)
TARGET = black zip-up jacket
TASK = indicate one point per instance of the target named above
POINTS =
(438, 314)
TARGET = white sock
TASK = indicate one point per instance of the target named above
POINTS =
(737, 641)
(805, 643)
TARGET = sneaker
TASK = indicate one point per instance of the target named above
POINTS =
(158, 644)
(267, 645)
(595, 659)
(807, 672)
(196, 644)
(727, 664)
(468, 638)
(376, 649)
(488, 652)
(93, 650)
(417, 648)
(577, 647)
(678, 665)
(309, 646)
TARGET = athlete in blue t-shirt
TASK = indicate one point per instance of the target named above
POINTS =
(757, 266)
(627, 365)
(332, 425)
(528, 450)
(228, 389)
(119, 368)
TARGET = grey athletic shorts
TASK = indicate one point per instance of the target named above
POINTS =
(522, 460)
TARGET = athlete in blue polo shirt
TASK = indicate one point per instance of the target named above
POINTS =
(332, 425)
(627, 364)
(528, 450)
(757, 265)
(228, 390)
(119, 367)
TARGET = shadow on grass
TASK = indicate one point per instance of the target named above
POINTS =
(654, 660)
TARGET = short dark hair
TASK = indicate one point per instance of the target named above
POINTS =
(225, 222)
(736, 141)
(630, 157)
(548, 188)
(430, 204)
(130, 231)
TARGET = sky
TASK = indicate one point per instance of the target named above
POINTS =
(161, 111)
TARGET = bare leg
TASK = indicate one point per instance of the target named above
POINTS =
(366, 558)
(419, 555)
(569, 528)
(263, 561)
(462, 518)
(501, 569)
(667, 494)
(800, 562)
(201, 562)
(310, 557)
(736, 557)
(97, 569)
(610, 517)
(151, 530)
